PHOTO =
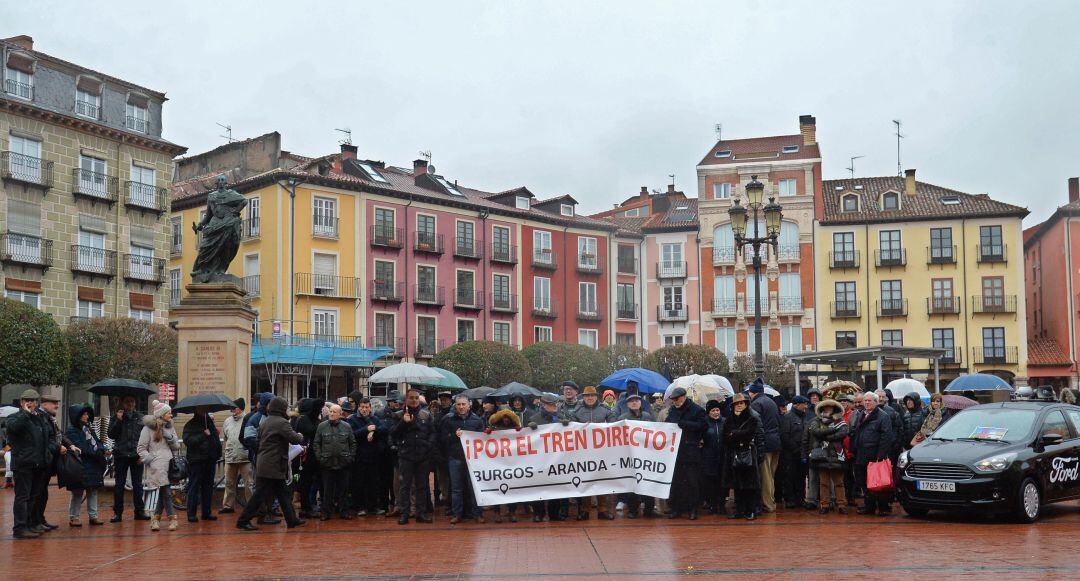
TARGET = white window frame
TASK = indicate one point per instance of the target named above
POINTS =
(141, 262)
(324, 209)
(721, 190)
(672, 340)
(18, 76)
(89, 309)
(788, 187)
(32, 299)
(587, 247)
(790, 339)
(671, 255)
(457, 329)
(541, 293)
(589, 337)
(176, 235)
(141, 315)
(27, 161)
(673, 298)
(140, 115)
(321, 280)
(542, 334)
(591, 303)
(175, 284)
(727, 341)
(522, 202)
(375, 328)
(90, 99)
(632, 212)
(845, 197)
(566, 209)
(328, 322)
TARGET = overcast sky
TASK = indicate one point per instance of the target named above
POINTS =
(597, 99)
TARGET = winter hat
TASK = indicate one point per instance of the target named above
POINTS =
(491, 399)
(549, 399)
(608, 392)
(159, 409)
(798, 400)
(677, 393)
(569, 383)
(756, 387)
(713, 404)
(240, 403)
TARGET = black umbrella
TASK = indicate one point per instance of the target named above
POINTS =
(122, 387)
(214, 402)
(477, 392)
(514, 388)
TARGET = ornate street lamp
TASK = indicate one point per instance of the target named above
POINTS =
(773, 212)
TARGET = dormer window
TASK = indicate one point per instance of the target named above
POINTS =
(849, 203)
(19, 83)
(88, 96)
(371, 171)
(136, 115)
(522, 202)
(632, 212)
(890, 201)
(566, 209)
(723, 153)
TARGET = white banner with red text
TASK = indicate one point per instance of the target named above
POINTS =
(556, 461)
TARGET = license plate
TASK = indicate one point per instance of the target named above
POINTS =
(936, 486)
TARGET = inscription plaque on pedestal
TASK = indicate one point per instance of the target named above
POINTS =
(207, 367)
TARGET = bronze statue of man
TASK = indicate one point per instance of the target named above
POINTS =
(220, 228)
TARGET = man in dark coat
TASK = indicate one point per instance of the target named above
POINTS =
(792, 433)
(872, 440)
(306, 424)
(632, 388)
(124, 431)
(686, 480)
(370, 439)
(414, 431)
(766, 409)
(592, 411)
(896, 417)
(814, 397)
(913, 419)
(272, 466)
(635, 410)
(203, 446)
(335, 446)
(388, 466)
(555, 509)
(461, 419)
(29, 441)
(712, 454)
(58, 445)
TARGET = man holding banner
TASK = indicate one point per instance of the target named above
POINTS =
(546, 415)
(591, 411)
(685, 486)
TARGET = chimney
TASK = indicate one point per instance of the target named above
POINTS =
(644, 192)
(1074, 189)
(419, 167)
(909, 182)
(22, 41)
(671, 188)
(348, 151)
(808, 129)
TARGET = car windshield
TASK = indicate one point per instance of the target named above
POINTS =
(990, 424)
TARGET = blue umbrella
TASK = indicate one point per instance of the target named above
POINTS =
(648, 381)
(978, 382)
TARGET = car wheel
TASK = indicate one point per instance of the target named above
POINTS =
(1028, 501)
(915, 512)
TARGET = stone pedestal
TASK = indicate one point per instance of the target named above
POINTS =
(214, 323)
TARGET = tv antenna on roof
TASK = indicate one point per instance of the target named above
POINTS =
(719, 128)
(851, 168)
(228, 133)
(347, 140)
(899, 136)
(426, 155)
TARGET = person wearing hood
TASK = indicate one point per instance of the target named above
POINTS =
(414, 430)
(250, 437)
(158, 443)
(569, 401)
(237, 463)
(591, 411)
(811, 503)
(873, 440)
(685, 493)
(272, 466)
(306, 424)
(741, 466)
(500, 421)
(517, 405)
(636, 412)
(825, 447)
(712, 454)
(792, 430)
(370, 439)
(913, 419)
(334, 446)
(203, 451)
(124, 430)
(92, 458)
(29, 454)
(490, 406)
(461, 419)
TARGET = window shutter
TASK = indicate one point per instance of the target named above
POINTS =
(325, 264)
(92, 224)
(24, 218)
(142, 236)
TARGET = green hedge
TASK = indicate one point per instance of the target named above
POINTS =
(122, 347)
(483, 363)
(554, 363)
(32, 346)
(680, 360)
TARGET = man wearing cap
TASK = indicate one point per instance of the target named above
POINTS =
(569, 401)
(792, 432)
(549, 413)
(766, 409)
(592, 411)
(28, 438)
(632, 388)
(237, 463)
(685, 483)
(635, 411)
(58, 444)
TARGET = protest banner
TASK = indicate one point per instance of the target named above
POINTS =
(556, 461)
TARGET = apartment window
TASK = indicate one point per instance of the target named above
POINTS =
(845, 340)
(945, 339)
(724, 295)
(87, 104)
(541, 334)
(941, 245)
(587, 252)
(892, 295)
(726, 341)
(892, 338)
(89, 309)
(759, 293)
(141, 315)
(587, 298)
(993, 289)
(588, 337)
(671, 257)
(137, 117)
(254, 212)
(501, 243)
(384, 278)
(324, 217)
(990, 242)
(174, 286)
(466, 330)
(849, 203)
(501, 291)
(626, 339)
(624, 301)
(521, 202)
(721, 191)
(25, 159)
(91, 255)
(384, 330)
(384, 225)
(541, 293)
(672, 340)
(252, 272)
(324, 323)
(790, 291)
(19, 83)
(425, 283)
(890, 201)
(324, 275)
(843, 247)
(466, 288)
(32, 299)
(723, 244)
(24, 231)
(790, 339)
(626, 259)
(425, 231)
(141, 262)
(845, 297)
(993, 344)
(673, 298)
(891, 249)
(425, 335)
(466, 238)
(787, 187)
(92, 176)
(566, 209)
(502, 333)
(176, 235)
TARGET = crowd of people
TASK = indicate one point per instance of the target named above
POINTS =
(347, 459)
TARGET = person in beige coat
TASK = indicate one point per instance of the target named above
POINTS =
(157, 444)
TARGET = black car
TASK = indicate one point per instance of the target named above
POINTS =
(1008, 457)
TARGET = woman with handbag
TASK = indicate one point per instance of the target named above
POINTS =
(158, 444)
(741, 458)
(92, 459)
(826, 434)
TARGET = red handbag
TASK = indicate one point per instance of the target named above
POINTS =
(879, 477)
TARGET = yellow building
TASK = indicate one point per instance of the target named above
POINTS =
(908, 263)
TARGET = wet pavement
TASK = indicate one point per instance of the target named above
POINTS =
(792, 543)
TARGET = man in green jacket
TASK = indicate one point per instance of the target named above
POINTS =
(335, 448)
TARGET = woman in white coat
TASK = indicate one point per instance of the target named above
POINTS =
(157, 444)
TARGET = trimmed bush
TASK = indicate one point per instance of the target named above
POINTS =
(553, 363)
(623, 356)
(32, 346)
(779, 372)
(483, 363)
(122, 347)
(679, 360)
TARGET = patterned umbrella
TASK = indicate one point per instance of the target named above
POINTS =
(957, 402)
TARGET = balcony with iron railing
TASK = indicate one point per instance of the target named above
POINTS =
(324, 226)
(250, 229)
(387, 236)
(626, 311)
(672, 313)
(941, 255)
(952, 356)
(590, 263)
(670, 270)
(387, 342)
(327, 285)
(844, 259)
(428, 348)
(722, 255)
(503, 253)
(787, 253)
(387, 291)
(724, 307)
(992, 253)
(428, 243)
(146, 197)
(429, 295)
(468, 298)
(93, 261)
(627, 265)
(94, 186)
(544, 259)
(943, 305)
(469, 248)
(16, 167)
(544, 308)
(25, 250)
(887, 308)
(21, 90)
(504, 303)
(252, 285)
(145, 269)
(87, 109)
(845, 309)
(993, 304)
(890, 257)
(789, 304)
(589, 312)
(133, 123)
(994, 355)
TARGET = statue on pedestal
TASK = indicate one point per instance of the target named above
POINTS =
(220, 229)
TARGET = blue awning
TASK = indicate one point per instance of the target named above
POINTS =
(315, 351)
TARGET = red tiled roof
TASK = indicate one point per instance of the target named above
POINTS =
(760, 149)
(924, 204)
(676, 217)
(1046, 351)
